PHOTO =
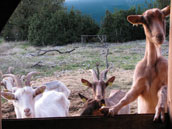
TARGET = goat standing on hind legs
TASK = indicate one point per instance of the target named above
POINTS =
(150, 75)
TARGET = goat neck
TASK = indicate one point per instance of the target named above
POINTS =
(152, 53)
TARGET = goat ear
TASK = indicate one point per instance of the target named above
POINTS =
(135, 19)
(39, 90)
(84, 99)
(6, 90)
(166, 10)
(110, 81)
(8, 96)
(86, 83)
(3, 83)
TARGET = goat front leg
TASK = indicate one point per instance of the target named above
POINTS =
(161, 107)
(130, 96)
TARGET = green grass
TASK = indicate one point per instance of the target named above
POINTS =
(122, 55)
(3, 100)
(1, 40)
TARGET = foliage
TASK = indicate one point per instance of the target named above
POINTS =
(59, 27)
(18, 24)
(118, 29)
(162, 3)
(47, 22)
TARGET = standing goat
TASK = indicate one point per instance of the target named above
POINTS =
(150, 75)
(31, 103)
(99, 86)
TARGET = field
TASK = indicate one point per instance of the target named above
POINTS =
(71, 67)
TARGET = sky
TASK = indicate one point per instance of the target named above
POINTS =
(97, 8)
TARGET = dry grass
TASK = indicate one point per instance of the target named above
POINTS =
(70, 68)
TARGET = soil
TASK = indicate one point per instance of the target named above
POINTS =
(72, 80)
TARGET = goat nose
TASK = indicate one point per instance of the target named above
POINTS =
(26, 110)
(98, 97)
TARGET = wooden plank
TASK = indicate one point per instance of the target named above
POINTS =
(170, 69)
(134, 121)
(6, 9)
(0, 111)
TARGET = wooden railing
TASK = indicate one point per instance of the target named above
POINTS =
(134, 121)
(118, 122)
(170, 69)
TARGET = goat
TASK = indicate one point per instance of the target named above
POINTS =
(57, 86)
(53, 85)
(150, 75)
(93, 107)
(31, 103)
(99, 86)
(7, 82)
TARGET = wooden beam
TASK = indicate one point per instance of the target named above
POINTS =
(134, 121)
(170, 69)
(6, 9)
(0, 111)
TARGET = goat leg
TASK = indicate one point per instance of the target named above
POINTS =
(161, 107)
(130, 96)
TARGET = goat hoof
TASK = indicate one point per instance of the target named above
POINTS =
(104, 110)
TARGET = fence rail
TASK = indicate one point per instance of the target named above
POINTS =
(134, 121)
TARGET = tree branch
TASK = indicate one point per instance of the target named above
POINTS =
(43, 52)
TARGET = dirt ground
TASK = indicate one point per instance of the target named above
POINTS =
(72, 81)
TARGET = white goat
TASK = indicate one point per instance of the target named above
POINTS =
(57, 86)
(7, 82)
(31, 103)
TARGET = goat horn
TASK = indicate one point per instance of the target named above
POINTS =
(10, 70)
(95, 76)
(103, 74)
(1, 73)
(29, 76)
(22, 78)
(16, 79)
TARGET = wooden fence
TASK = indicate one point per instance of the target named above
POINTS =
(101, 38)
(134, 121)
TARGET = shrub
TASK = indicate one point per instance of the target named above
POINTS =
(59, 27)
(118, 29)
(18, 24)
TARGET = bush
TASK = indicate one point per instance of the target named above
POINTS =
(59, 27)
(18, 24)
(118, 29)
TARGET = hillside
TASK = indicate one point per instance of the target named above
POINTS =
(97, 8)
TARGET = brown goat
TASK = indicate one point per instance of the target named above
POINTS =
(99, 85)
(92, 106)
(150, 75)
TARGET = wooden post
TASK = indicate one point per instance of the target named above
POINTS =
(170, 69)
(0, 111)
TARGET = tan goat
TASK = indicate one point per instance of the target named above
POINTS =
(98, 87)
(150, 75)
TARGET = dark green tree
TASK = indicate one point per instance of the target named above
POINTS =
(162, 3)
(118, 29)
(18, 24)
(59, 27)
